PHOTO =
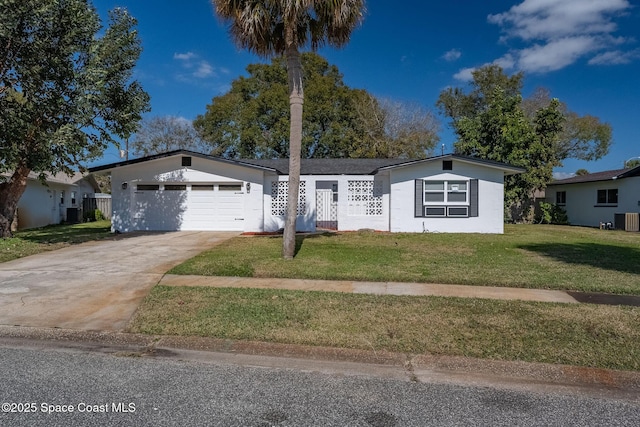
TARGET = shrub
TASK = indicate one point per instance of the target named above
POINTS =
(98, 215)
(552, 214)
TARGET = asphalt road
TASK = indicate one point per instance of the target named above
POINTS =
(106, 390)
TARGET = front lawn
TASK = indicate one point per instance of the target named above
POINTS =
(575, 334)
(30, 242)
(528, 256)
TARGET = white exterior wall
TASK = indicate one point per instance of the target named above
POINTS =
(581, 203)
(40, 204)
(346, 221)
(127, 217)
(490, 217)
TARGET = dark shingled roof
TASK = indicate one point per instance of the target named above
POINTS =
(362, 166)
(327, 166)
(599, 176)
(315, 166)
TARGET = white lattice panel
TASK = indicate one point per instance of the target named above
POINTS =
(279, 191)
(364, 198)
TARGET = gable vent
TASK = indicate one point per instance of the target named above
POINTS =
(186, 161)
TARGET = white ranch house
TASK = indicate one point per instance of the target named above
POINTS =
(598, 197)
(183, 190)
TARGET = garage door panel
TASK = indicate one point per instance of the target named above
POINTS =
(190, 210)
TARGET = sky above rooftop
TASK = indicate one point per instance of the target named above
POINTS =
(586, 52)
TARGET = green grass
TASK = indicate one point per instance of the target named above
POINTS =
(584, 335)
(527, 256)
(34, 241)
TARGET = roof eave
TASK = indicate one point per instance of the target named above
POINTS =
(112, 166)
(507, 169)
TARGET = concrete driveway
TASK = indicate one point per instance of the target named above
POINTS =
(95, 285)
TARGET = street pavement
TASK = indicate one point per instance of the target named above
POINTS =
(48, 387)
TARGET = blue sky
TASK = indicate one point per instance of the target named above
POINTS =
(586, 52)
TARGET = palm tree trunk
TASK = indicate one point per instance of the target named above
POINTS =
(296, 99)
(10, 193)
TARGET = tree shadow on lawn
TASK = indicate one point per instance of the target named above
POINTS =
(300, 238)
(609, 257)
(80, 233)
(65, 233)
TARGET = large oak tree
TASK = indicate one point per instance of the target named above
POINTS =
(65, 89)
(251, 120)
(283, 27)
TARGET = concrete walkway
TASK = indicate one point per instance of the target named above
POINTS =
(385, 288)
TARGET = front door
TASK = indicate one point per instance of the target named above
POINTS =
(326, 210)
(55, 209)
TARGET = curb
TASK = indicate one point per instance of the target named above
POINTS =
(458, 370)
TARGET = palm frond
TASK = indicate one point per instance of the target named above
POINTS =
(267, 26)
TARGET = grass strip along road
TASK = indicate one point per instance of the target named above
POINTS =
(531, 256)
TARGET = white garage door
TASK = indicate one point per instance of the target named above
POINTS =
(190, 207)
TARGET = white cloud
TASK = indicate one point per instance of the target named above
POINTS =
(615, 57)
(196, 68)
(560, 32)
(506, 62)
(184, 56)
(452, 55)
(549, 19)
(204, 70)
(464, 75)
(555, 54)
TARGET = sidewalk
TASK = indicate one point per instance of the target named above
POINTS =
(384, 288)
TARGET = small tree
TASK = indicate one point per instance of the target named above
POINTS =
(160, 134)
(395, 129)
(65, 90)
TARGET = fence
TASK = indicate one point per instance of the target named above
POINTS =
(100, 201)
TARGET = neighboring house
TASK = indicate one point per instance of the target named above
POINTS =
(596, 198)
(183, 190)
(50, 202)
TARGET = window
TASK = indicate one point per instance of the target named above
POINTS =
(434, 192)
(147, 187)
(175, 187)
(202, 187)
(73, 198)
(230, 187)
(435, 211)
(459, 211)
(445, 192)
(364, 198)
(561, 197)
(62, 197)
(448, 199)
(608, 197)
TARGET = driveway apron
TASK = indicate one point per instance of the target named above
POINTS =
(95, 285)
